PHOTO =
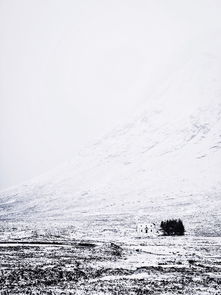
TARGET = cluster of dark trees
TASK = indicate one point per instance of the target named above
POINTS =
(172, 227)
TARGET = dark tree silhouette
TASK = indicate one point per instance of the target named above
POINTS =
(172, 227)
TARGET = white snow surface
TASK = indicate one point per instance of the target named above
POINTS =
(166, 159)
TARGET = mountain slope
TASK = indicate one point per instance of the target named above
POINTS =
(166, 159)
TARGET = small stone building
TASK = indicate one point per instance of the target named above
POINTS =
(147, 229)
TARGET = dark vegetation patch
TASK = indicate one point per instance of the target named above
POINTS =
(172, 227)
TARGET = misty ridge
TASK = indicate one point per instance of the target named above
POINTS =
(111, 147)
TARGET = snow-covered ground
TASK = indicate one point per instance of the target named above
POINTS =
(54, 261)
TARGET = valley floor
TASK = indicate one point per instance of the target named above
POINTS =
(34, 262)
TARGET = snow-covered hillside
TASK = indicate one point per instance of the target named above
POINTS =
(164, 162)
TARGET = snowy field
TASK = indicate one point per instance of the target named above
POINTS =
(101, 259)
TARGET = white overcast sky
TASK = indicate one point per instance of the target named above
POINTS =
(71, 70)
